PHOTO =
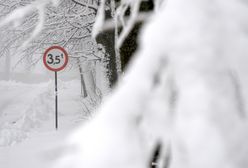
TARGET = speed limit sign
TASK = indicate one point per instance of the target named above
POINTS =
(55, 58)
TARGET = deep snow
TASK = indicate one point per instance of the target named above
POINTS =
(27, 130)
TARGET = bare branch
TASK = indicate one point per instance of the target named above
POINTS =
(93, 7)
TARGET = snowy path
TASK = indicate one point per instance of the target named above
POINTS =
(15, 97)
(39, 151)
(27, 135)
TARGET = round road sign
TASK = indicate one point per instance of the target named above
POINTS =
(55, 58)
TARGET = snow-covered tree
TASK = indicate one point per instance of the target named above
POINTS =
(68, 24)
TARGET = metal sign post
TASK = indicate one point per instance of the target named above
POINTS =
(55, 59)
(56, 101)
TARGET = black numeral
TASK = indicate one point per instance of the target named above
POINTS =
(50, 59)
(55, 61)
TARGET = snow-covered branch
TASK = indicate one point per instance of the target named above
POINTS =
(93, 5)
(178, 92)
(120, 17)
(19, 14)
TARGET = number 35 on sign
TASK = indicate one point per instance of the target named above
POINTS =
(55, 58)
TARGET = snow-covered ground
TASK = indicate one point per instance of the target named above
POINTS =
(27, 121)
(40, 150)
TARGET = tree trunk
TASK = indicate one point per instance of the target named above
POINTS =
(83, 86)
(7, 66)
(107, 39)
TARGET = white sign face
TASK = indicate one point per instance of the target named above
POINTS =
(55, 58)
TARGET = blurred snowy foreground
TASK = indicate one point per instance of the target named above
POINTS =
(186, 90)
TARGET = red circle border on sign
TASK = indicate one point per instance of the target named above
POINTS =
(59, 48)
